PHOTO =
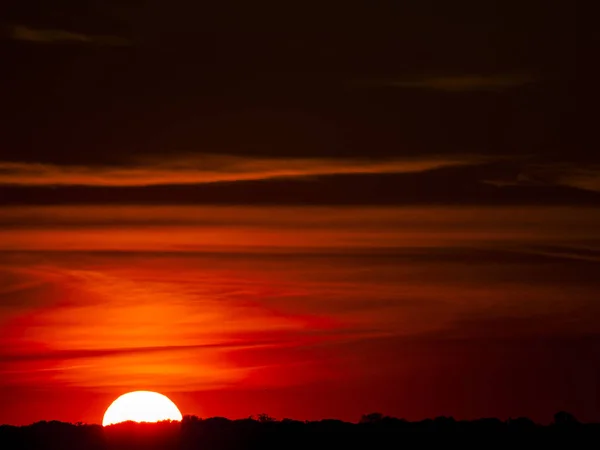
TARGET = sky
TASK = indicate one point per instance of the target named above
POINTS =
(311, 211)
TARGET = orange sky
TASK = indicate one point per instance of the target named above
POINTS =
(299, 312)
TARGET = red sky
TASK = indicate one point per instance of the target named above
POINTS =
(404, 209)
(300, 312)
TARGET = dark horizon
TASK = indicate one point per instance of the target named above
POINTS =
(373, 431)
(560, 418)
(264, 417)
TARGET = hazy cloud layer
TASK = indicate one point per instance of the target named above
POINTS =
(298, 229)
(227, 179)
(216, 168)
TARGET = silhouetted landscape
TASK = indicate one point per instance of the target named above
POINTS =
(373, 431)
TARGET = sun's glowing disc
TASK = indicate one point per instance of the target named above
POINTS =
(141, 406)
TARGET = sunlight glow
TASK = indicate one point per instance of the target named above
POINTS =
(141, 406)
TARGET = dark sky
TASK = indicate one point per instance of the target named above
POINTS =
(392, 199)
(97, 84)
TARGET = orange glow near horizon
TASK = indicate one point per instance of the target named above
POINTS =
(290, 311)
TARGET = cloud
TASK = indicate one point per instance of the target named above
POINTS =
(216, 168)
(559, 174)
(462, 83)
(587, 178)
(63, 355)
(24, 33)
(305, 230)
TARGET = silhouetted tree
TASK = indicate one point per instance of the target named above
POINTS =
(521, 424)
(443, 423)
(262, 418)
(190, 419)
(565, 419)
(371, 418)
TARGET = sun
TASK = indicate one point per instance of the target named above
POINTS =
(141, 406)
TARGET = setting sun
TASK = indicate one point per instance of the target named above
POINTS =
(141, 406)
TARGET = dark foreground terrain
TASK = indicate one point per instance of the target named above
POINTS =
(372, 432)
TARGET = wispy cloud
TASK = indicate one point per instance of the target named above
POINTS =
(62, 355)
(559, 174)
(587, 178)
(25, 33)
(301, 230)
(460, 83)
(216, 168)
